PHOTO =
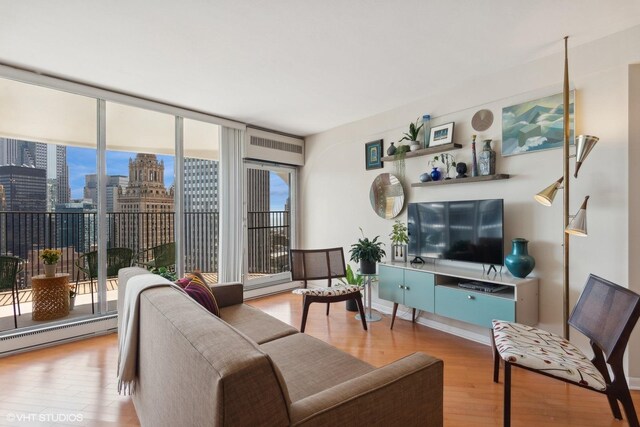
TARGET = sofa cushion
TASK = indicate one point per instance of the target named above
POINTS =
(255, 324)
(309, 365)
(202, 294)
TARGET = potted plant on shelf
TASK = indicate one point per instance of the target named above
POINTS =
(399, 240)
(50, 258)
(399, 157)
(352, 279)
(448, 161)
(367, 253)
(412, 135)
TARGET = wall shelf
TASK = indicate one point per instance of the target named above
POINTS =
(426, 151)
(495, 177)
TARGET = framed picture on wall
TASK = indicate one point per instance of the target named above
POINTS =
(441, 135)
(373, 155)
(536, 125)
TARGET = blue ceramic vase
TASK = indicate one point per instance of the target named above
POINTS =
(435, 174)
(519, 262)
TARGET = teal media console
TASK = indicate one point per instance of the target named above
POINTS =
(434, 288)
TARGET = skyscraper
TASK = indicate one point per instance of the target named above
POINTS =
(114, 184)
(200, 185)
(148, 203)
(25, 191)
(51, 157)
(58, 169)
(201, 213)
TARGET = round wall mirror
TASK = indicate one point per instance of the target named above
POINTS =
(387, 196)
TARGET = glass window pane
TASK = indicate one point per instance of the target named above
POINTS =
(47, 145)
(140, 190)
(201, 197)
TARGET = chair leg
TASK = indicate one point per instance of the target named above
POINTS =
(496, 359)
(413, 316)
(328, 305)
(13, 303)
(93, 307)
(507, 394)
(363, 317)
(305, 310)
(18, 299)
(627, 403)
(613, 404)
(393, 315)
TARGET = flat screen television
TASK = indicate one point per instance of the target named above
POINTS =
(466, 230)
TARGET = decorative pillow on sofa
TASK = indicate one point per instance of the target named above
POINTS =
(197, 289)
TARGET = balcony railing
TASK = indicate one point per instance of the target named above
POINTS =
(25, 234)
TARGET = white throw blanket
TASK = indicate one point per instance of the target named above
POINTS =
(128, 335)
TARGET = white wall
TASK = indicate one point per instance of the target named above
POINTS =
(335, 184)
(634, 208)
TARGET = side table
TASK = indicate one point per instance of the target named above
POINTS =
(369, 316)
(50, 296)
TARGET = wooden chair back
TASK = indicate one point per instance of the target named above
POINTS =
(606, 313)
(317, 264)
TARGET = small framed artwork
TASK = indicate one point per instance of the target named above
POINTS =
(373, 155)
(441, 135)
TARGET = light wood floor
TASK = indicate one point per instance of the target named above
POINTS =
(79, 378)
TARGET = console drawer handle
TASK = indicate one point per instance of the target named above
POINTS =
(406, 288)
(399, 286)
(471, 297)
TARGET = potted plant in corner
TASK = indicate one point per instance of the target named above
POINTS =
(367, 253)
(399, 240)
(351, 278)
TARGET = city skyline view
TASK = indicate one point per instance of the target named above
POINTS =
(82, 161)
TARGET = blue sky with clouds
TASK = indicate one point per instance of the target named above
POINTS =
(82, 161)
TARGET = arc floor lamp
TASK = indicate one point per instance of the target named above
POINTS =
(573, 224)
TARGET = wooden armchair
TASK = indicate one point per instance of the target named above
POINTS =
(606, 313)
(321, 264)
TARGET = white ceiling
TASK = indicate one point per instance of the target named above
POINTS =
(298, 66)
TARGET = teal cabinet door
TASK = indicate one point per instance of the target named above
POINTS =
(390, 284)
(473, 307)
(419, 290)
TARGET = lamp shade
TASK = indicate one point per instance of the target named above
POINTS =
(578, 225)
(546, 196)
(584, 145)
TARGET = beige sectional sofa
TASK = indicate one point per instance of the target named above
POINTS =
(250, 369)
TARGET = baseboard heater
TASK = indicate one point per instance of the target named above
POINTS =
(56, 334)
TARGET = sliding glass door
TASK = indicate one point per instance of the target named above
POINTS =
(269, 222)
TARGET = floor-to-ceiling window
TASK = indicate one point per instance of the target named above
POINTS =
(270, 222)
(140, 190)
(47, 147)
(201, 197)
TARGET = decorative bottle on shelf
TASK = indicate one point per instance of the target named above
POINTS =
(391, 150)
(426, 128)
(487, 159)
(474, 160)
(519, 262)
(435, 174)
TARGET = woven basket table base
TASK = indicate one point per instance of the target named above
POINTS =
(50, 297)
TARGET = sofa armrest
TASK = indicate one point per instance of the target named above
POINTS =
(404, 393)
(227, 294)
